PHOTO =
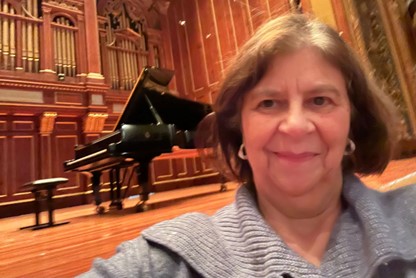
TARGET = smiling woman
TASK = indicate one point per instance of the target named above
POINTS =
(295, 139)
(296, 117)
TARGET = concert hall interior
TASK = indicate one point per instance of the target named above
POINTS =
(82, 83)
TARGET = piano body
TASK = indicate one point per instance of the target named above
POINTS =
(152, 122)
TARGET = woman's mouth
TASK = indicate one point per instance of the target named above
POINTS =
(296, 157)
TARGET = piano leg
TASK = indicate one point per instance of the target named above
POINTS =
(142, 172)
(223, 186)
(115, 202)
(95, 180)
(111, 187)
(118, 192)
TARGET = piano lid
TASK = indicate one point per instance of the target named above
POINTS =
(151, 93)
(136, 110)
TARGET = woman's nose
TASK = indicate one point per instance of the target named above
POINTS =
(296, 123)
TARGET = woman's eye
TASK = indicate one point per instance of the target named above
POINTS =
(267, 103)
(319, 101)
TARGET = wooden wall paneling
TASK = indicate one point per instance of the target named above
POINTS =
(178, 82)
(278, 7)
(64, 150)
(197, 165)
(167, 49)
(23, 162)
(195, 45)
(207, 167)
(176, 32)
(4, 162)
(91, 137)
(162, 174)
(45, 156)
(241, 21)
(211, 48)
(225, 31)
(181, 167)
(70, 98)
(66, 136)
(341, 20)
(162, 170)
(189, 176)
(259, 12)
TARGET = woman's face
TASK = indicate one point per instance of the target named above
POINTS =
(295, 124)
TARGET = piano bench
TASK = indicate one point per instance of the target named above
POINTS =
(37, 187)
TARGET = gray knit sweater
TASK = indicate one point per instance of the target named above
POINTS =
(375, 236)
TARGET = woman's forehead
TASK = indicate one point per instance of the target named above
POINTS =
(306, 67)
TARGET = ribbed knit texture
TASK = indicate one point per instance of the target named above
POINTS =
(375, 228)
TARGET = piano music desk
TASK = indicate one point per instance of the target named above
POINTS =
(37, 187)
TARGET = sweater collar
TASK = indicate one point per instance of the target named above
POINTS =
(237, 242)
(380, 227)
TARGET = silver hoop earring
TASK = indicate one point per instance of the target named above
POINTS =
(350, 147)
(242, 152)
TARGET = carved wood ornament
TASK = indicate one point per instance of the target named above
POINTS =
(376, 45)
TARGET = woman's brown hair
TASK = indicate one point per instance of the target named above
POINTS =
(373, 118)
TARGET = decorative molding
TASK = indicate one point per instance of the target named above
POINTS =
(118, 107)
(371, 42)
(166, 165)
(95, 75)
(97, 99)
(94, 122)
(47, 122)
(23, 126)
(15, 95)
(66, 4)
(40, 85)
(50, 86)
(66, 126)
(404, 62)
(68, 98)
(148, 12)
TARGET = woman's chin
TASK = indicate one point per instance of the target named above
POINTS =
(296, 186)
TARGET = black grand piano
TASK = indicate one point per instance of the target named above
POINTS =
(152, 122)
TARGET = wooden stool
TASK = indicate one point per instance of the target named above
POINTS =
(48, 185)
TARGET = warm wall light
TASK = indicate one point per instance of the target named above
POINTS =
(47, 122)
(94, 122)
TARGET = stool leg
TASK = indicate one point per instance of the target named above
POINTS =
(37, 206)
(50, 205)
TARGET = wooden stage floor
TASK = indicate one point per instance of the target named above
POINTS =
(68, 250)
